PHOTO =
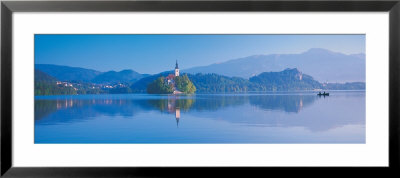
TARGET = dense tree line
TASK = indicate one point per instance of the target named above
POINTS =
(180, 83)
(214, 83)
(159, 86)
(46, 85)
(183, 84)
(46, 88)
(287, 80)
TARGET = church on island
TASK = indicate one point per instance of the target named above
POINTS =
(174, 83)
(170, 78)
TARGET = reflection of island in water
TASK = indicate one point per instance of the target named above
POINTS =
(173, 104)
(287, 103)
(210, 106)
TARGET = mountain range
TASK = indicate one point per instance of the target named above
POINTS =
(121, 76)
(66, 73)
(322, 64)
(313, 69)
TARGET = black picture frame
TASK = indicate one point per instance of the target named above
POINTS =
(8, 7)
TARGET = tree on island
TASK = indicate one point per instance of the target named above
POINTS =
(183, 84)
(159, 86)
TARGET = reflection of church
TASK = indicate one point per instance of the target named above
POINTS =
(173, 108)
(177, 115)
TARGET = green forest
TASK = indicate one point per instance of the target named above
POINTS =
(159, 86)
(46, 85)
(181, 83)
(286, 80)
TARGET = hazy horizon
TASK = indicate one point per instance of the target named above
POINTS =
(141, 52)
(195, 66)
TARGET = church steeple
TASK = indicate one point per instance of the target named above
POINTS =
(176, 69)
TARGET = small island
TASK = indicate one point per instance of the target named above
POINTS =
(172, 84)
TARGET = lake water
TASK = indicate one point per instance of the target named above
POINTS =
(284, 117)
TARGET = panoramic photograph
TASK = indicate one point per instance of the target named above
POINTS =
(199, 89)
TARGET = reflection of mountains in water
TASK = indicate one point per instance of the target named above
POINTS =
(128, 107)
(75, 109)
(86, 108)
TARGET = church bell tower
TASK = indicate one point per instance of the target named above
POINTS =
(176, 69)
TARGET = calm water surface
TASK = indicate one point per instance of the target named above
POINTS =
(301, 117)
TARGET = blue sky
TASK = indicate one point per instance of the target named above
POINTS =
(156, 53)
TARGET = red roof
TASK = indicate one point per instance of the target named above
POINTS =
(170, 76)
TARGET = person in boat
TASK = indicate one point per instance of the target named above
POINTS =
(323, 94)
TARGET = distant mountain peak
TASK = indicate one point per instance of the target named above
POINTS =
(359, 55)
(65, 73)
(128, 71)
(292, 69)
(126, 75)
(318, 51)
(322, 64)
